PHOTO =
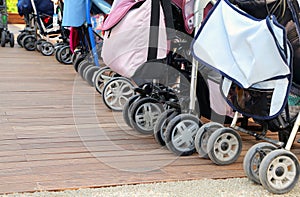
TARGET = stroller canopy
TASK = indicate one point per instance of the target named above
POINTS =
(42, 6)
(75, 11)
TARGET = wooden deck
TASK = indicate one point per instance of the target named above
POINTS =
(57, 134)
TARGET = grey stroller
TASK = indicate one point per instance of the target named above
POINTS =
(6, 36)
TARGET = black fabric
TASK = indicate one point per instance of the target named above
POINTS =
(167, 8)
(153, 37)
(154, 32)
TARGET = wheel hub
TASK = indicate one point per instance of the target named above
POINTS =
(224, 146)
(279, 171)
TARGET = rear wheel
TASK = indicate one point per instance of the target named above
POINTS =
(20, 38)
(253, 158)
(47, 48)
(12, 40)
(180, 134)
(144, 115)
(279, 171)
(3, 38)
(65, 55)
(28, 42)
(224, 146)
(116, 92)
(161, 125)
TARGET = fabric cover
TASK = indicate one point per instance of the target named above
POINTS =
(251, 54)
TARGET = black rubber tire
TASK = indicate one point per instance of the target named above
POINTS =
(20, 38)
(127, 108)
(253, 158)
(56, 54)
(47, 48)
(224, 146)
(12, 40)
(82, 66)
(38, 44)
(28, 42)
(279, 171)
(192, 123)
(65, 55)
(78, 60)
(136, 109)
(202, 137)
(161, 125)
(3, 39)
(119, 90)
(89, 74)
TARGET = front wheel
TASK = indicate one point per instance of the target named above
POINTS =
(3, 39)
(47, 48)
(161, 125)
(253, 158)
(65, 55)
(12, 40)
(116, 92)
(279, 171)
(89, 74)
(180, 134)
(101, 77)
(144, 115)
(28, 42)
(127, 108)
(202, 136)
(224, 146)
(20, 38)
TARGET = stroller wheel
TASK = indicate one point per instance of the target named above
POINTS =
(104, 74)
(89, 74)
(3, 39)
(47, 48)
(20, 38)
(12, 40)
(78, 60)
(57, 55)
(202, 137)
(144, 115)
(74, 56)
(116, 92)
(127, 108)
(83, 65)
(65, 54)
(224, 146)
(28, 42)
(38, 44)
(180, 134)
(161, 125)
(279, 171)
(253, 158)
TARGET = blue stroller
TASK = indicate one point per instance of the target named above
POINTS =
(40, 23)
(85, 56)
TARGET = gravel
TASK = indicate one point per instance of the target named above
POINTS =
(209, 188)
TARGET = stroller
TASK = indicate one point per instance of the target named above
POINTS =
(261, 86)
(6, 36)
(43, 25)
(162, 81)
(83, 36)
